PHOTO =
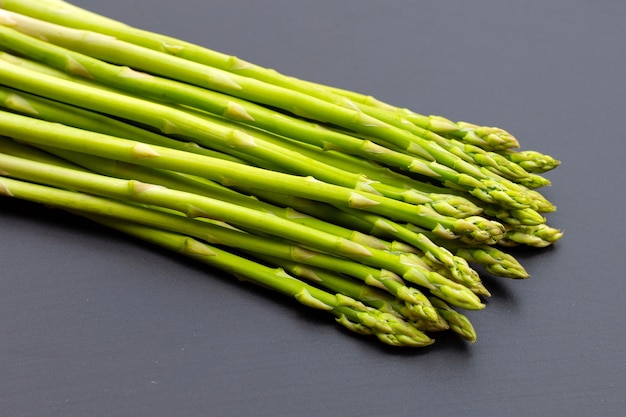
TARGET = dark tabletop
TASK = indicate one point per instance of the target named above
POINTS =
(97, 324)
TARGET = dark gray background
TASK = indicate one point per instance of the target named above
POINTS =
(95, 324)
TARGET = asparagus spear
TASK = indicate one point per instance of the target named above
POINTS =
(354, 315)
(213, 129)
(229, 107)
(494, 260)
(198, 206)
(458, 323)
(219, 234)
(113, 50)
(206, 132)
(367, 293)
(181, 182)
(43, 133)
(338, 283)
(408, 189)
(434, 147)
(532, 161)
(449, 318)
(71, 16)
(459, 269)
(538, 236)
(69, 115)
(297, 103)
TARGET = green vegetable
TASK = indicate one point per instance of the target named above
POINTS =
(375, 213)
(491, 138)
(428, 156)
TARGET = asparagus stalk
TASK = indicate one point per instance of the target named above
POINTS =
(113, 50)
(69, 115)
(219, 234)
(354, 315)
(532, 161)
(494, 261)
(335, 282)
(408, 189)
(190, 204)
(449, 318)
(34, 131)
(210, 130)
(486, 137)
(458, 322)
(492, 258)
(538, 236)
(242, 121)
(229, 107)
(182, 182)
(62, 13)
(365, 292)
(169, 120)
(198, 206)
(459, 270)
(116, 51)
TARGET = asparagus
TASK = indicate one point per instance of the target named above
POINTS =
(113, 50)
(372, 202)
(497, 163)
(190, 204)
(71, 16)
(459, 269)
(34, 131)
(532, 161)
(354, 315)
(206, 132)
(181, 182)
(486, 137)
(493, 260)
(12, 186)
(58, 112)
(491, 188)
(211, 130)
(448, 318)
(528, 217)
(538, 236)
(458, 323)
(384, 228)
(197, 206)
(227, 106)
(445, 204)
(219, 234)
(335, 282)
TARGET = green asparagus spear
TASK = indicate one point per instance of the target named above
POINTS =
(65, 14)
(532, 161)
(539, 236)
(226, 172)
(116, 51)
(235, 138)
(198, 206)
(222, 235)
(459, 323)
(354, 315)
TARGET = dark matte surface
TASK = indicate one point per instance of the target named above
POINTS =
(95, 324)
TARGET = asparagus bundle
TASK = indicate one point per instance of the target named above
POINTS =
(377, 214)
